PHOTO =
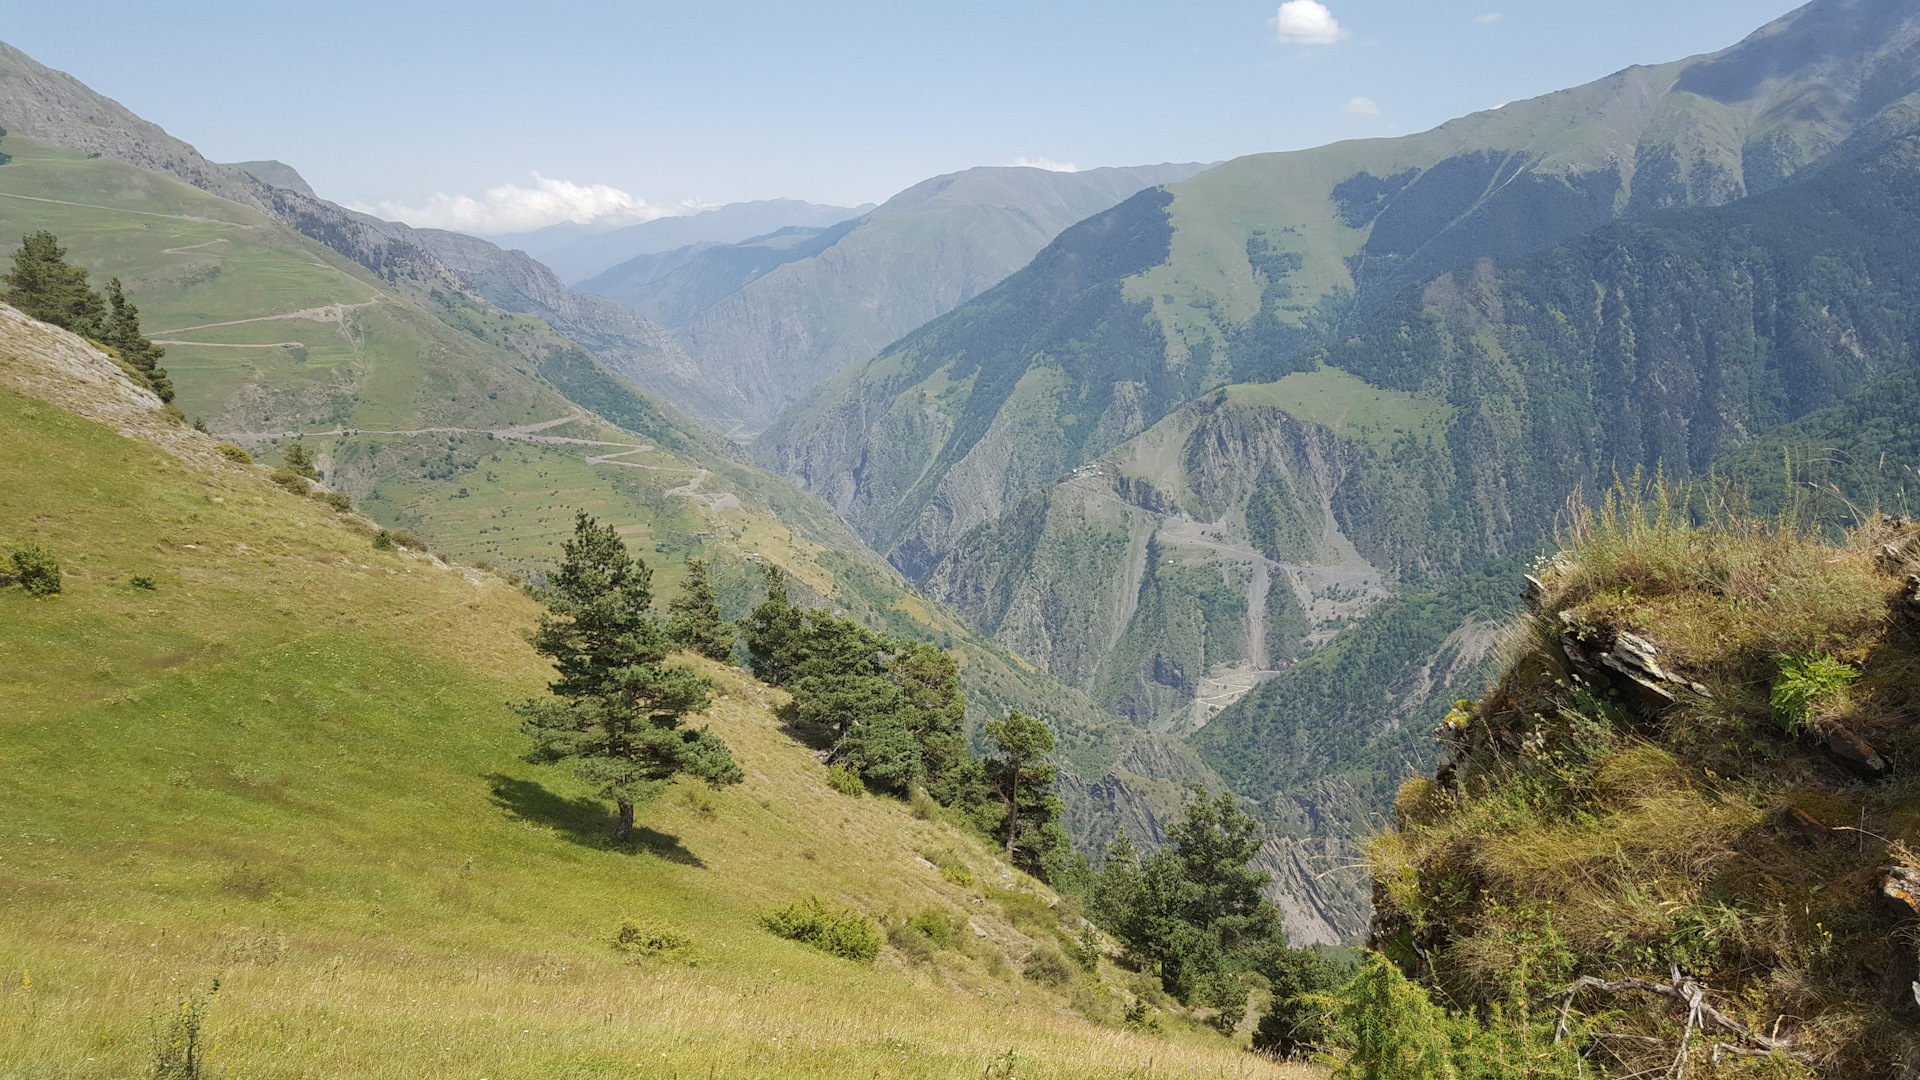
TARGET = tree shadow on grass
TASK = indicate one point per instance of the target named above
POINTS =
(808, 734)
(587, 822)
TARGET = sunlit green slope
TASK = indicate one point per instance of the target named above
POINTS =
(477, 429)
(243, 744)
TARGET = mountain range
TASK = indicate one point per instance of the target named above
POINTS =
(579, 251)
(769, 318)
(1231, 472)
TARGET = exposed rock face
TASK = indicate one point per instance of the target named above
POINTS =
(276, 174)
(1136, 578)
(53, 107)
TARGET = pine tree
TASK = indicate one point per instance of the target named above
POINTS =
(774, 633)
(1023, 778)
(616, 713)
(694, 617)
(121, 329)
(1216, 843)
(937, 710)
(44, 286)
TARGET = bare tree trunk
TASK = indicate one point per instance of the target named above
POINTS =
(625, 830)
(1013, 806)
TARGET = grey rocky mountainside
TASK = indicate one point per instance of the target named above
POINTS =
(920, 254)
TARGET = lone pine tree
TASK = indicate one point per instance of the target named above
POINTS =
(1023, 778)
(615, 712)
(694, 620)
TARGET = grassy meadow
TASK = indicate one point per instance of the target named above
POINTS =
(244, 745)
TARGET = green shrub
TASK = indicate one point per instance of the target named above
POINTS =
(235, 453)
(336, 499)
(837, 931)
(1225, 994)
(910, 943)
(952, 867)
(1141, 1016)
(1085, 950)
(936, 925)
(845, 780)
(36, 570)
(1047, 967)
(646, 937)
(1392, 1030)
(142, 581)
(290, 480)
(388, 539)
(1805, 683)
(300, 461)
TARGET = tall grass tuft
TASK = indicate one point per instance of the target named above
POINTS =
(179, 1042)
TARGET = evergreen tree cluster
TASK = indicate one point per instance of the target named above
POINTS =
(892, 711)
(45, 286)
(616, 712)
(1193, 914)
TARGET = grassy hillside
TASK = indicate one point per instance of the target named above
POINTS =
(243, 744)
(475, 428)
(1687, 773)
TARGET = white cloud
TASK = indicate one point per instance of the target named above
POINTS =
(1363, 107)
(1307, 22)
(1044, 163)
(511, 208)
(1488, 19)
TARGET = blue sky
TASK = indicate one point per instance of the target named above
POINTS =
(636, 108)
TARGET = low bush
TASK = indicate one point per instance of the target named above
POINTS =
(937, 925)
(951, 866)
(1047, 967)
(646, 936)
(836, 931)
(1806, 683)
(142, 581)
(336, 499)
(235, 453)
(388, 539)
(1142, 1017)
(36, 570)
(845, 780)
(910, 943)
(290, 480)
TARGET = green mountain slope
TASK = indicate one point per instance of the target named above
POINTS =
(917, 256)
(1432, 446)
(1238, 271)
(244, 745)
(476, 428)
